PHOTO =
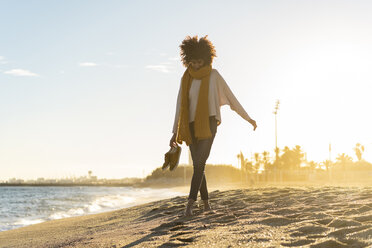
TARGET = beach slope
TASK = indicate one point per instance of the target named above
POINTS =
(253, 217)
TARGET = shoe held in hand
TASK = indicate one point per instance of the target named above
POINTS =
(171, 158)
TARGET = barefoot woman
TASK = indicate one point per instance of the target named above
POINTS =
(201, 94)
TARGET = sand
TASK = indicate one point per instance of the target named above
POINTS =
(251, 217)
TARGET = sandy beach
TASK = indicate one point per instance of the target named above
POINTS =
(308, 216)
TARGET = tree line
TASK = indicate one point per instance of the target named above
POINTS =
(285, 165)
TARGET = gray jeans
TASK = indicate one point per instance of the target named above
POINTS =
(200, 152)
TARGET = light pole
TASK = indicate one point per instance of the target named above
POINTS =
(276, 130)
(276, 142)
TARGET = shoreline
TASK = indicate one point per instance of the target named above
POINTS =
(32, 221)
(53, 205)
(285, 216)
(161, 184)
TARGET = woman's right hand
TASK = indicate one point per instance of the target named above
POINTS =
(172, 142)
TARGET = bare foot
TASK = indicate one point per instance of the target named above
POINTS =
(207, 207)
(188, 211)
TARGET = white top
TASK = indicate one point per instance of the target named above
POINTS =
(219, 94)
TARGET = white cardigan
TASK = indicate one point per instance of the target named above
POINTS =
(219, 94)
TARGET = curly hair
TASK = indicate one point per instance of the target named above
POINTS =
(192, 48)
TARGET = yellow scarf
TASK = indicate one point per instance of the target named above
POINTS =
(201, 122)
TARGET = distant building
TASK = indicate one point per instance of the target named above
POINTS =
(15, 180)
(40, 180)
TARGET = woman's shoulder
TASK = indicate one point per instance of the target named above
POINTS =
(215, 72)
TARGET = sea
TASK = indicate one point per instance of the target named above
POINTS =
(21, 206)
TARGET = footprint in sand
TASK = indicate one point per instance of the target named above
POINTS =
(338, 223)
(324, 221)
(313, 209)
(175, 207)
(314, 216)
(178, 199)
(227, 202)
(173, 244)
(153, 216)
(347, 230)
(188, 240)
(259, 209)
(329, 243)
(276, 221)
(213, 213)
(308, 230)
(169, 225)
(259, 240)
(364, 218)
(249, 231)
(365, 234)
(351, 212)
(339, 243)
(227, 219)
(309, 199)
(238, 205)
(242, 213)
(176, 228)
(294, 216)
(300, 242)
(364, 209)
(181, 233)
(284, 211)
(184, 237)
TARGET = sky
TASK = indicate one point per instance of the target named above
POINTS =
(92, 85)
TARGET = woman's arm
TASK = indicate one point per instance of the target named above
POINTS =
(177, 110)
(226, 96)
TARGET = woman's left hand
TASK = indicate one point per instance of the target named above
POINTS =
(254, 124)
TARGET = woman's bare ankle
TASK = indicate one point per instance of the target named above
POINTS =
(206, 205)
(189, 206)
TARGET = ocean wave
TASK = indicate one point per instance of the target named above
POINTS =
(78, 202)
(100, 204)
(26, 222)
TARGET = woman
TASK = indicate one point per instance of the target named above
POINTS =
(201, 94)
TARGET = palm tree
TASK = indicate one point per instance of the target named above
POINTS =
(299, 156)
(265, 159)
(258, 161)
(327, 163)
(344, 160)
(359, 149)
(240, 157)
(312, 165)
(292, 158)
(248, 166)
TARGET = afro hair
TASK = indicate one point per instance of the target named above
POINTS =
(192, 48)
